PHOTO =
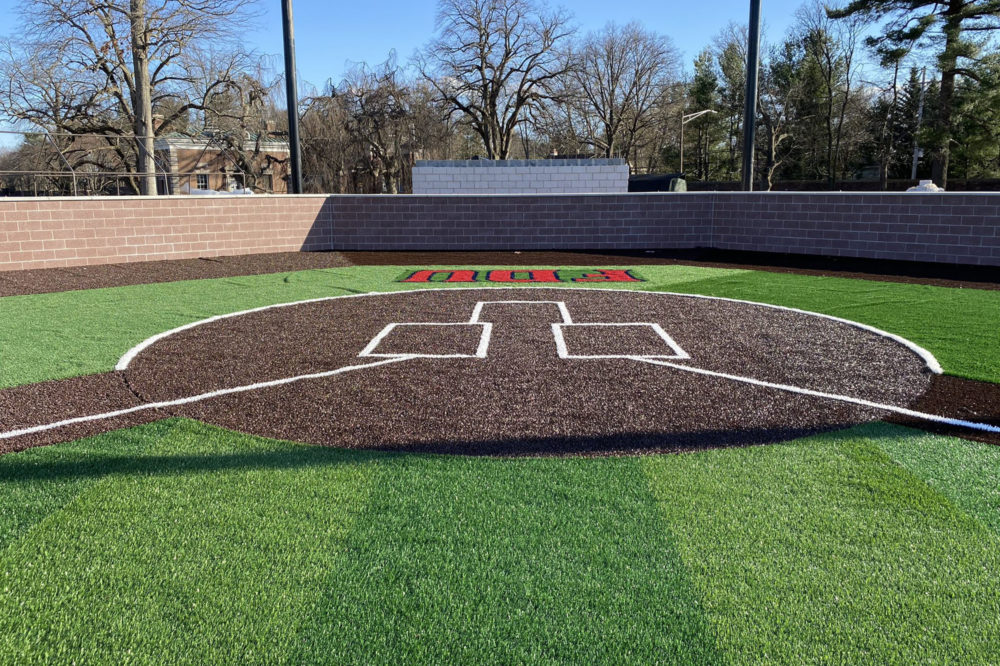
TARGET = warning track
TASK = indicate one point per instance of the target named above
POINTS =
(508, 372)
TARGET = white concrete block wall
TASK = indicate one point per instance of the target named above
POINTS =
(555, 176)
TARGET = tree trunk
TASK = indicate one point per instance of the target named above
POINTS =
(887, 132)
(391, 183)
(949, 61)
(141, 102)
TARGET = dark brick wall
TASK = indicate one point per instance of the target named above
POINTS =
(519, 222)
(950, 227)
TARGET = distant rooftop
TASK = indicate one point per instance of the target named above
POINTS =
(205, 139)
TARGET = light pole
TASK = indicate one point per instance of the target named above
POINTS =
(292, 95)
(684, 121)
(750, 106)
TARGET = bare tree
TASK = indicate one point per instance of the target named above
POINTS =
(560, 122)
(492, 60)
(113, 62)
(241, 117)
(364, 134)
(832, 46)
(621, 72)
(779, 89)
(327, 149)
(377, 102)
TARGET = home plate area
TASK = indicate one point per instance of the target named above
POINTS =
(528, 371)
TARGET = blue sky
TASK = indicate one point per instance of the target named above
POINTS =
(330, 34)
(327, 37)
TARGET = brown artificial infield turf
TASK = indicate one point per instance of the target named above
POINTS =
(522, 398)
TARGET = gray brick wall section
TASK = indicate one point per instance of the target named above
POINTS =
(555, 176)
(949, 227)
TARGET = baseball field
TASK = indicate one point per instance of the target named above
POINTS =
(648, 463)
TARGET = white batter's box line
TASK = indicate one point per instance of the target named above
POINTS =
(678, 353)
(563, 310)
(484, 340)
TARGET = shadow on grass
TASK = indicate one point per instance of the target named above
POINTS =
(101, 465)
(104, 462)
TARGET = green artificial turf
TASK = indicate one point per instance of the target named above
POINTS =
(178, 542)
(968, 473)
(529, 561)
(53, 336)
(961, 327)
(825, 550)
(205, 547)
(67, 334)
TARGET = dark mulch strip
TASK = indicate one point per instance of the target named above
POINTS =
(884, 270)
(522, 399)
(115, 275)
(958, 398)
(49, 280)
(937, 274)
(48, 402)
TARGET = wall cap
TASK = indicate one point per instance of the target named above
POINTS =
(555, 162)
(304, 197)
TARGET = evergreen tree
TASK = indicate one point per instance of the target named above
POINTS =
(977, 121)
(730, 56)
(703, 95)
(945, 22)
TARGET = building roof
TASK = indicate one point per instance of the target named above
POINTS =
(206, 141)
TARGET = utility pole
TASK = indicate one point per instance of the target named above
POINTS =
(750, 105)
(292, 95)
(920, 117)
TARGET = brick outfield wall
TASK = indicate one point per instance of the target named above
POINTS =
(58, 232)
(951, 228)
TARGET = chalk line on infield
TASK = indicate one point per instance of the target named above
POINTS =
(985, 427)
(563, 310)
(196, 398)
(678, 353)
(557, 333)
(484, 340)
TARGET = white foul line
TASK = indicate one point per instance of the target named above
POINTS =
(195, 398)
(832, 396)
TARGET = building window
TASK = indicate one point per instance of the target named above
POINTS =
(202, 181)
